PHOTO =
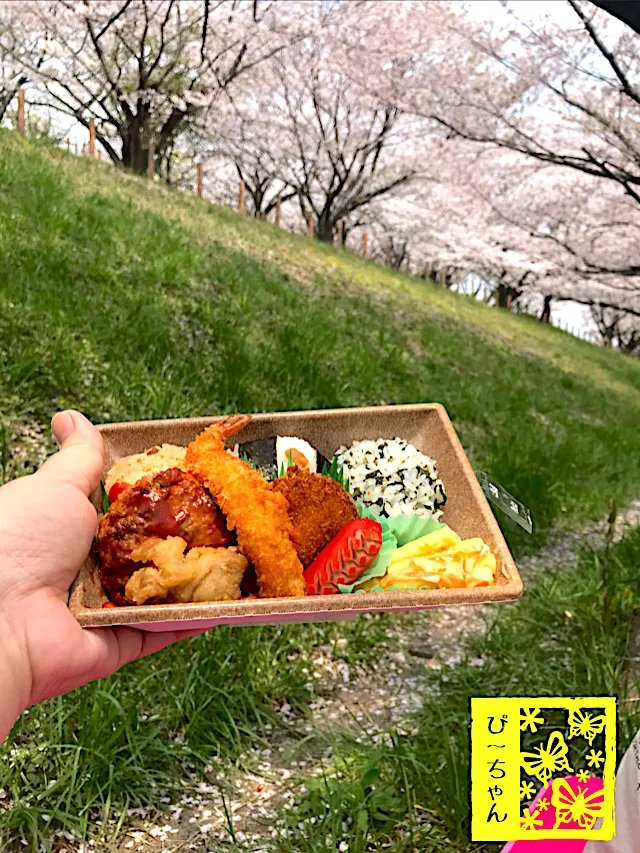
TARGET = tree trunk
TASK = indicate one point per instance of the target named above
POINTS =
(324, 229)
(135, 142)
(502, 296)
(134, 154)
(545, 317)
(257, 198)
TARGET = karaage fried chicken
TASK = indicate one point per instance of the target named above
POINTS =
(202, 574)
(171, 503)
(318, 507)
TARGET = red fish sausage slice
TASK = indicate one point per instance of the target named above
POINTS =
(345, 558)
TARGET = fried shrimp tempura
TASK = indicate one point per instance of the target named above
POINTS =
(258, 514)
(202, 574)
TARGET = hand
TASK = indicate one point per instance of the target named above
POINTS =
(47, 525)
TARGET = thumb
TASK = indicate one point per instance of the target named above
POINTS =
(80, 460)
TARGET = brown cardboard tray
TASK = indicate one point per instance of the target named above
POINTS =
(427, 426)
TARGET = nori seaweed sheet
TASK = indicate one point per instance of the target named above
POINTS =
(262, 455)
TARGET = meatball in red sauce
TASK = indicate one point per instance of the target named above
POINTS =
(171, 503)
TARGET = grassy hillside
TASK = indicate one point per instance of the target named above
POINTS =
(130, 301)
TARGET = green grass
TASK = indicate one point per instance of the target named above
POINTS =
(132, 301)
(131, 739)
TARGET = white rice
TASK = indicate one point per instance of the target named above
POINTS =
(285, 443)
(130, 469)
(393, 478)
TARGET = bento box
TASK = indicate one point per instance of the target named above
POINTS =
(425, 426)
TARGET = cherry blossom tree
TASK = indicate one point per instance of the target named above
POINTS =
(16, 42)
(249, 133)
(618, 328)
(12, 75)
(341, 144)
(503, 220)
(144, 70)
(562, 94)
(344, 145)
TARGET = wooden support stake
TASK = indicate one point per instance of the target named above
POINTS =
(340, 232)
(443, 276)
(310, 231)
(388, 255)
(241, 197)
(21, 110)
(200, 179)
(92, 138)
(278, 210)
(151, 160)
(365, 245)
(68, 144)
(427, 271)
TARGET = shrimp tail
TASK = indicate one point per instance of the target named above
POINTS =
(230, 425)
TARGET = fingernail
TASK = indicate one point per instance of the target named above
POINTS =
(62, 426)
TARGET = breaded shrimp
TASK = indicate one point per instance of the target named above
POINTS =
(257, 513)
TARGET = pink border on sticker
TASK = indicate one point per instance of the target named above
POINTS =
(550, 845)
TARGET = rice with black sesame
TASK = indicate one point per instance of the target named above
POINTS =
(393, 478)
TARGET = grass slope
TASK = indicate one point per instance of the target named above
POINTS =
(133, 301)
(129, 301)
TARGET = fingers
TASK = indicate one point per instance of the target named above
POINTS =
(80, 460)
(134, 644)
(112, 648)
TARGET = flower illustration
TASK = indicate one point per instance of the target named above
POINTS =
(576, 806)
(529, 820)
(582, 724)
(530, 720)
(546, 760)
(527, 790)
(543, 804)
(583, 775)
(595, 759)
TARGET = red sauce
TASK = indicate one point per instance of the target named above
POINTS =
(163, 519)
(108, 604)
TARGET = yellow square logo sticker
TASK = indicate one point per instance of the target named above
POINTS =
(542, 768)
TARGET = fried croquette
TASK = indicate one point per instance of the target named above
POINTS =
(202, 574)
(319, 508)
(257, 513)
(171, 503)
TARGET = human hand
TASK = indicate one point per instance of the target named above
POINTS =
(47, 525)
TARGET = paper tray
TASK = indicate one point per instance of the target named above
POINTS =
(427, 426)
